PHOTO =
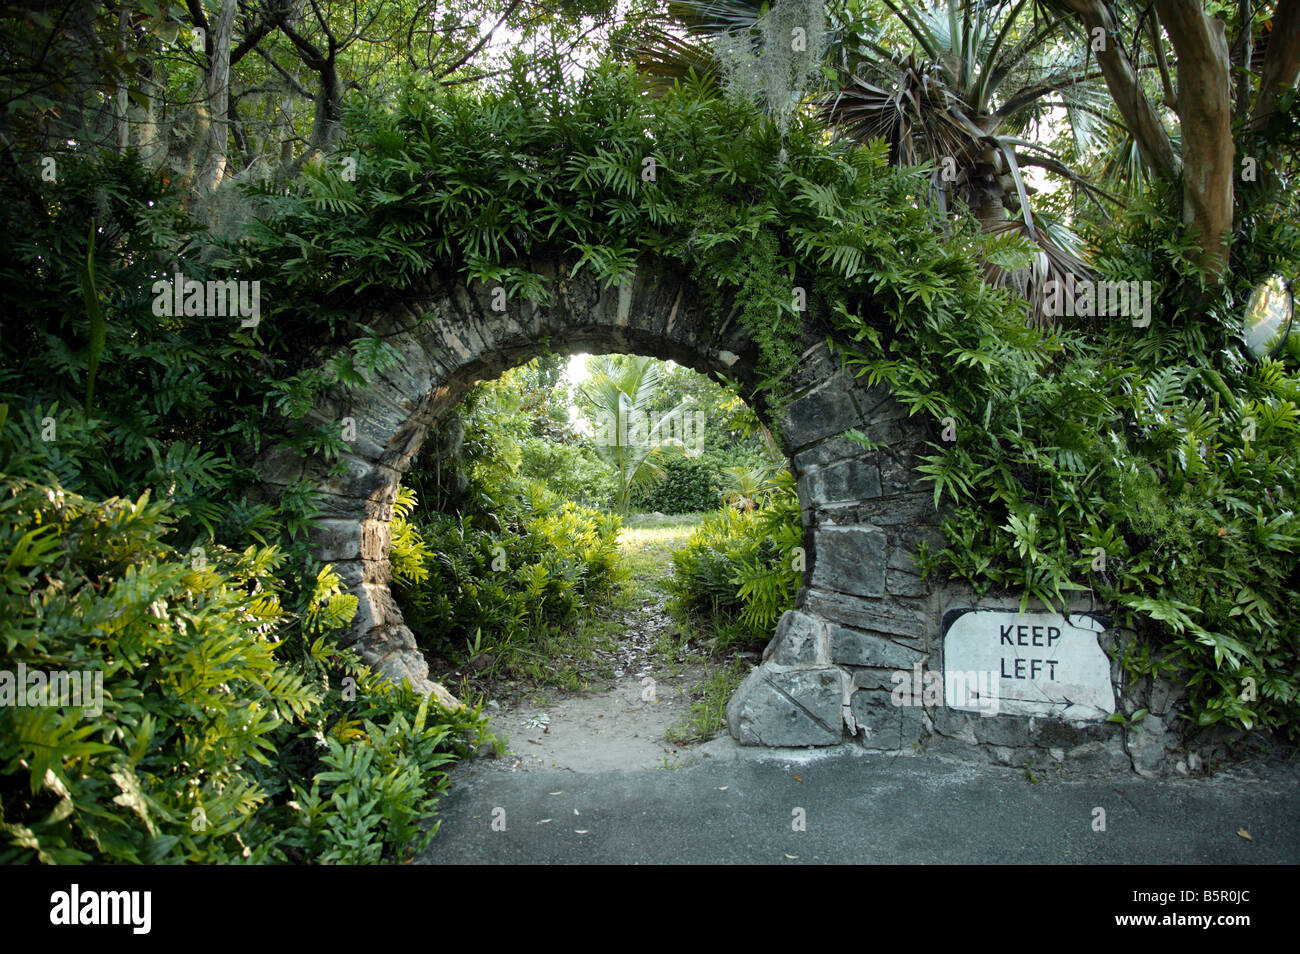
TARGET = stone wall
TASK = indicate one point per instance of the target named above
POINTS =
(827, 660)
(449, 336)
(864, 612)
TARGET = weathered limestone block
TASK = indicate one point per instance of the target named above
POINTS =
(826, 453)
(356, 476)
(392, 653)
(897, 471)
(413, 375)
(375, 608)
(850, 560)
(846, 480)
(874, 679)
(1150, 744)
(876, 402)
(377, 507)
(1104, 757)
(816, 364)
(280, 466)
(886, 726)
(852, 647)
(912, 513)
(800, 640)
(825, 411)
(351, 540)
(900, 620)
(796, 707)
(902, 575)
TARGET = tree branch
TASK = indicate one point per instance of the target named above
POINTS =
(1122, 81)
(1282, 62)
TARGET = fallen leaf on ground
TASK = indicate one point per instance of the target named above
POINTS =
(1244, 834)
(798, 778)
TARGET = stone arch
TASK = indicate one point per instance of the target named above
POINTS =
(863, 610)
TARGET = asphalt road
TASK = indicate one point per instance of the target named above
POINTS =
(743, 806)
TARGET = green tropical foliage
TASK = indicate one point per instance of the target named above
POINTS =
(744, 565)
(628, 436)
(506, 588)
(210, 697)
(689, 485)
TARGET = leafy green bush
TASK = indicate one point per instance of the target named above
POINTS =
(374, 791)
(182, 755)
(191, 690)
(507, 585)
(688, 486)
(572, 471)
(744, 565)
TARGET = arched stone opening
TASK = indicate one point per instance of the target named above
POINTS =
(863, 611)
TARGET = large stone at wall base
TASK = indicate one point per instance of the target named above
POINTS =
(390, 651)
(788, 708)
(884, 725)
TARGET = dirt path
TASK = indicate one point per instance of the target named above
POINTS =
(622, 727)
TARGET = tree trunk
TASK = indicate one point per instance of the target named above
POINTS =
(152, 139)
(1205, 109)
(121, 121)
(218, 101)
(1282, 64)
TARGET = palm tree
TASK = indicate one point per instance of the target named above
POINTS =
(621, 396)
(975, 77)
(953, 85)
(747, 487)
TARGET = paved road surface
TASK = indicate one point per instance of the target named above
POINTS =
(733, 805)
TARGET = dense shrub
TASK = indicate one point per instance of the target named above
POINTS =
(135, 554)
(460, 583)
(742, 565)
(688, 486)
(572, 471)
(208, 719)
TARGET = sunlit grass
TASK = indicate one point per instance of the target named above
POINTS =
(648, 547)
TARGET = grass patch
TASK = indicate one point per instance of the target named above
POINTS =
(708, 712)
